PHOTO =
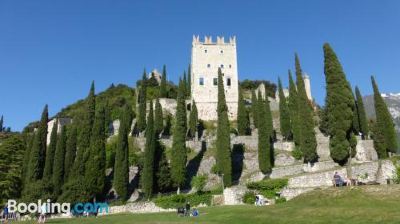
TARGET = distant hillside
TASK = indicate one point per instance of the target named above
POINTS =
(393, 102)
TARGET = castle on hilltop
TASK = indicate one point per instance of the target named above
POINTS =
(207, 58)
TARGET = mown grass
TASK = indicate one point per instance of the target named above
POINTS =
(363, 205)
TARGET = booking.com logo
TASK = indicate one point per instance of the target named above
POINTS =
(49, 207)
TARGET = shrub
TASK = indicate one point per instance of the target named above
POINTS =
(179, 200)
(199, 182)
(214, 169)
(397, 175)
(297, 153)
(268, 188)
(249, 197)
(280, 200)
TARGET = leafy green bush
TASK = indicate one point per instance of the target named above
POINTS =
(297, 153)
(179, 200)
(397, 175)
(199, 182)
(249, 197)
(214, 169)
(269, 187)
(280, 200)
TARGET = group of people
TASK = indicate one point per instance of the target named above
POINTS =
(339, 181)
(186, 211)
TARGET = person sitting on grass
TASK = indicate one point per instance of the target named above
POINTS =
(187, 209)
(195, 212)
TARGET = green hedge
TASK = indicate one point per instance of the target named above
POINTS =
(269, 187)
(249, 197)
(175, 201)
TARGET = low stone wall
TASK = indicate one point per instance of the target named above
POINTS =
(280, 172)
(365, 151)
(139, 207)
(284, 159)
(319, 166)
(284, 146)
(290, 193)
(234, 195)
(250, 142)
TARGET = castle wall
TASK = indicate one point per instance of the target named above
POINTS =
(207, 58)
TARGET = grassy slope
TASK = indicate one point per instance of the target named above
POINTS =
(371, 204)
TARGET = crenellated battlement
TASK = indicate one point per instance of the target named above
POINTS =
(208, 40)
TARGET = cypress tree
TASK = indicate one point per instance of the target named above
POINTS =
(254, 107)
(37, 156)
(141, 122)
(189, 82)
(284, 114)
(361, 117)
(96, 164)
(264, 135)
(70, 151)
(149, 154)
(179, 157)
(163, 84)
(48, 166)
(59, 158)
(340, 107)
(85, 129)
(27, 154)
(193, 120)
(158, 121)
(242, 116)
(1, 123)
(294, 110)
(185, 84)
(385, 129)
(121, 166)
(308, 142)
(163, 175)
(223, 135)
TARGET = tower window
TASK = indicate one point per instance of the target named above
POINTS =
(230, 66)
(201, 81)
(222, 51)
(205, 51)
(208, 65)
(215, 81)
(222, 66)
(228, 81)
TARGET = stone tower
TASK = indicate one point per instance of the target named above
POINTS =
(207, 57)
(307, 85)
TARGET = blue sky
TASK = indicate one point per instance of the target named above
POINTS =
(51, 50)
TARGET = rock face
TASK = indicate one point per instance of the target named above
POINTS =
(234, 195)
(283, 159)
(365, 151)
(284, 146)
(114, 127)
(322, 146)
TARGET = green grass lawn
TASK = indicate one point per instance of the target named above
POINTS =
(368, 204)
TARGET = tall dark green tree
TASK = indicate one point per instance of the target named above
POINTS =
(185, 84)
(121, 166)
(163, 175)
(294, 109)
(339, 105)
(243, 120)
(96, 164)
(84, 132)
(284, 113)
(51, 149)
(38, 151)
(189, 82)
(59, 159)
(254, 107)
(385, 134)
(147, 176)
(163, 84)
(308, 141)
(223, 135)
(141, 121)
(1, 123)
(264, 135)
(70, 151)
(158, 121)
(193, 120)
(179, 154)
(361, 116)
